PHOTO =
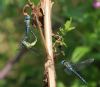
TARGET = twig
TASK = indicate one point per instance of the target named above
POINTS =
(4, 72)
(49, 64)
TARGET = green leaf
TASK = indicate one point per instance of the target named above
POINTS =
(60, 84)
(68, 25)
(79, 52)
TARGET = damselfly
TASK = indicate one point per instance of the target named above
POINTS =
(72, 68)
(29, 39)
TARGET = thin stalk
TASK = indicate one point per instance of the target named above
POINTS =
(4, 72)
(49, 64)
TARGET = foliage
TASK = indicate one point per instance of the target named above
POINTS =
(81, 43)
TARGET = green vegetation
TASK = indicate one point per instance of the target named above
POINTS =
(82, 42)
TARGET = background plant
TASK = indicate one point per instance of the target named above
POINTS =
(82, 42)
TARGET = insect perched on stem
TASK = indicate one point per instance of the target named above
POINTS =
(28, 39)
(71, 68)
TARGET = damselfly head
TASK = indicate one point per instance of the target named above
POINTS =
(63, 61)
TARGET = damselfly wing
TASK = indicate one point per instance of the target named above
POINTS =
(83, 64)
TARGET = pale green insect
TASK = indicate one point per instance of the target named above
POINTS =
(28, 44)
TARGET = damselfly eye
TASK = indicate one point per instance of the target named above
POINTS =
(62, 62)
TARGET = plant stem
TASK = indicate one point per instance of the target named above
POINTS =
(49, 64)
(4, 72)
